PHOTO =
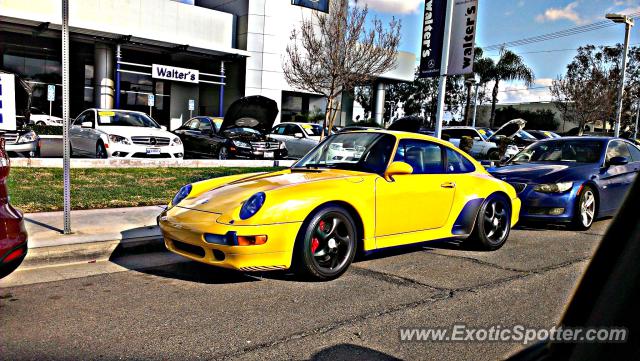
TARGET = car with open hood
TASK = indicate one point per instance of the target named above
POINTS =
(485, 145)
(242, 133)
(116, 133)
(360, 191)
(573, 180)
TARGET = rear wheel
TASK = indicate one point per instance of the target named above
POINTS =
(326, 244)
(585, 210)
(493, 223)
(493, 154)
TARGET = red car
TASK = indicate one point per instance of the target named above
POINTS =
(13, 235)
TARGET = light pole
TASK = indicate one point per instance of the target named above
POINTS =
(635, 130)
(628, 21)
(469, 83)
(475, 106)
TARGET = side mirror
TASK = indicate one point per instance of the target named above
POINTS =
(163, 127)
(397, 168)
(618, 161)
(298, 135)
(87, 125)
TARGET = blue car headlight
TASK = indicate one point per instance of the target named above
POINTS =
(181, 195)
(252, 205)
(553, 187)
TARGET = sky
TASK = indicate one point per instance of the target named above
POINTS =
(502, 21)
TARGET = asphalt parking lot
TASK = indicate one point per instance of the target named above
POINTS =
(192, 311)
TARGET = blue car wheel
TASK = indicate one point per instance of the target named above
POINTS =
(585, 211)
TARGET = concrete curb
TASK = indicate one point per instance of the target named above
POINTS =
(99, 247)
(146, 163)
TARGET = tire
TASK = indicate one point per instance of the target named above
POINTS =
(585, 210)
(326, 244)
(493, 154)
(223, 153)
(41, 123)
(101, 151)
(493, 223)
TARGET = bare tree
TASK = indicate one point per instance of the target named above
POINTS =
(332, 53)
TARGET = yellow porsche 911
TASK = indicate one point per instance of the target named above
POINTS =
(355, 192)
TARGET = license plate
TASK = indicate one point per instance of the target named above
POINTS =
(269, 155)
(153, 150)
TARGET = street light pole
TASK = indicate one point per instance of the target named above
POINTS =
(628, 21)
(66, 161)
(475, 106)
(635, 130)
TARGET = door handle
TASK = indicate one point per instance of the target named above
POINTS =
(448, 185)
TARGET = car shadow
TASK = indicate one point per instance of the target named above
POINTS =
(346, 351)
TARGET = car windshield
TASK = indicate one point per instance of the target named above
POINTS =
(240, 130)
(574, 151)
(485, 133)
(359, 151)
(314, 130)
(125, 119)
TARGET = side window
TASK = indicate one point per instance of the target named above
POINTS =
(279, 129)
(617, 149)
(79, 119)
(205, 125)
(424, 157)
(456, 163)
(469, 133)
(291, 129)
(193, 125)
(635, 153)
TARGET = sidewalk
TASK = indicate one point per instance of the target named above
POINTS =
(97, 234)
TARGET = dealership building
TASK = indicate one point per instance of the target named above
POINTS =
(171, 58)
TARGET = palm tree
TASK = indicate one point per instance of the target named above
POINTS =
(510, 66)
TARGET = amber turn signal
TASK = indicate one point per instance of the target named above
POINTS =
(251, 240)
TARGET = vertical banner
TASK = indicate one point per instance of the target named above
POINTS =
(320, 5)
(432, 35)
(7, 102)
(463, 37)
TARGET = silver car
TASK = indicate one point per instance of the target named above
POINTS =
(299, 138)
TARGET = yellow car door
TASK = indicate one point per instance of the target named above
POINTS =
(418, 201)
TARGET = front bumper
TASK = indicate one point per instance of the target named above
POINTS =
(24, 148)
(184, 233)
(258, 153)
(119, 150)
(549, 207)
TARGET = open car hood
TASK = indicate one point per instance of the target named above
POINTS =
(255, 112)
(509, 129)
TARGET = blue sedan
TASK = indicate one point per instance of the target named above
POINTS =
(572, 180)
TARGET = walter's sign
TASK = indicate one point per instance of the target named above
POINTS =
(463, 36)
(176, 74)
(7, 102)
(432, 37)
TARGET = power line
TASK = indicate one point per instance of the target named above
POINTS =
(557, 34)
(550, 50)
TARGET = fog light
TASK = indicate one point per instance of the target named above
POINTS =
(555, 211)
(251, 240)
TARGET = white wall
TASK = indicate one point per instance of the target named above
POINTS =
(161, 21)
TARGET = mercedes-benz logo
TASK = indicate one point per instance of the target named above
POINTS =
(153, 141)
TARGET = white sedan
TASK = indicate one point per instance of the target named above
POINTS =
(106, 133)
(37, 117)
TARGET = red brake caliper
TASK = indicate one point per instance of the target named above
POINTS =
(314, 241)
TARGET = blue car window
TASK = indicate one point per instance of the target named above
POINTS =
(617, 149)
(457, 163)
(424, 157)
(635, 153)
(561, 150)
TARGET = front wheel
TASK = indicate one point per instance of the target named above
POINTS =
(101, 151)
(585, 210)
(326, 244)
(223, 153)
(493, 223)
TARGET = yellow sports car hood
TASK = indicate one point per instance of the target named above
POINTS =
(226, 197)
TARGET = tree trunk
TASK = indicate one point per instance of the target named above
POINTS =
(494, 100)
(468, 106)
(327, 116)
(333, 116)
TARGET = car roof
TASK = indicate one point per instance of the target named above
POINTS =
(298, 123)
(115, 110)
(459, 127)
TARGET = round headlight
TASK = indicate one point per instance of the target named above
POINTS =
(252, 205)
(181, 195)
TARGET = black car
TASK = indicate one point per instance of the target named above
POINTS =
(241, 134)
